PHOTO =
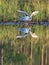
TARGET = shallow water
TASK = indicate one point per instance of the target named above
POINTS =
(19, 23)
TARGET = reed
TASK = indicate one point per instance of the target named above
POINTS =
(8, 9)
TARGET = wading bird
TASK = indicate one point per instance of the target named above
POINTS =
(26, 17)
(24, 32)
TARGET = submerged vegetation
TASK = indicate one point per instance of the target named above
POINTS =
(19, 51)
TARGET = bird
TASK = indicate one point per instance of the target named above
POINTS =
(26, 17)
(24, 32)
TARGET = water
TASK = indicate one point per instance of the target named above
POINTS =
(20, 23)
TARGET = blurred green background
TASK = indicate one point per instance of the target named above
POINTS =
(18, 51)
(8, 9)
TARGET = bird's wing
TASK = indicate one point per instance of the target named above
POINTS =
(23, 12)
(21, 36)
(33, 35)
(34, 13)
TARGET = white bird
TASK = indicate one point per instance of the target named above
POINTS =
(26, 17)
(25, 31)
